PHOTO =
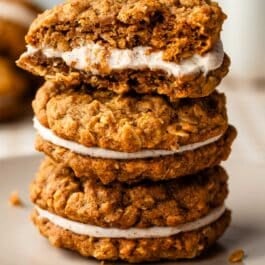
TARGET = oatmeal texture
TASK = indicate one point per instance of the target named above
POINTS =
(129, 123)
(129, 171)
(142, 205)
(181, 28)
(186, 245)
(145, 81)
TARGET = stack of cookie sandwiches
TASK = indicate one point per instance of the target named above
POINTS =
(132, 127)
(16, 86)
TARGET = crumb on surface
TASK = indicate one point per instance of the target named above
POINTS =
(14, 199)
(237, 256)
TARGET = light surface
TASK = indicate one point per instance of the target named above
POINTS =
(20, 240)
(48, 3)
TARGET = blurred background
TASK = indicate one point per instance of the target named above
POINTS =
(244, 38)
(244, 41)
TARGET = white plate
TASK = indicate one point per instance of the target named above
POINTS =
(20, 243)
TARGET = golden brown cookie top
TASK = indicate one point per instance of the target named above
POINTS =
(130, 123)
(179, 28)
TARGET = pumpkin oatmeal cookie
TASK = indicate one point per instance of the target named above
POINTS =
(131, 123)
(175, 45)
(132, 127)
(185, 245)
(193, 85)
(142, 205)
(130, 138)
(135, 170)
(143, 222)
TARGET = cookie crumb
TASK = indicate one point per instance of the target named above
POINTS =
(237, 256)
(14, 199)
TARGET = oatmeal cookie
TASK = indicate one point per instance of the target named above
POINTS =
(145, 81)
(143, 205)
(135, 170)
(185, 245)
(180, 28)
(175, 44)
(130, 123)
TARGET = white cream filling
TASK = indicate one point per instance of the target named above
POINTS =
(131, 233)
(16, 12)
(48, 135)
(138, 58)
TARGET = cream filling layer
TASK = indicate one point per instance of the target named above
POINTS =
(48, 135)
(131, 233)
(16, 12)
(92, 54)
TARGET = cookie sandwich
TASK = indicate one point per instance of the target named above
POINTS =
(132, 126)
(171, 48)
(100, 134)
(176, 219)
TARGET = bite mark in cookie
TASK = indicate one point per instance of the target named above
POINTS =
(175, 43)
